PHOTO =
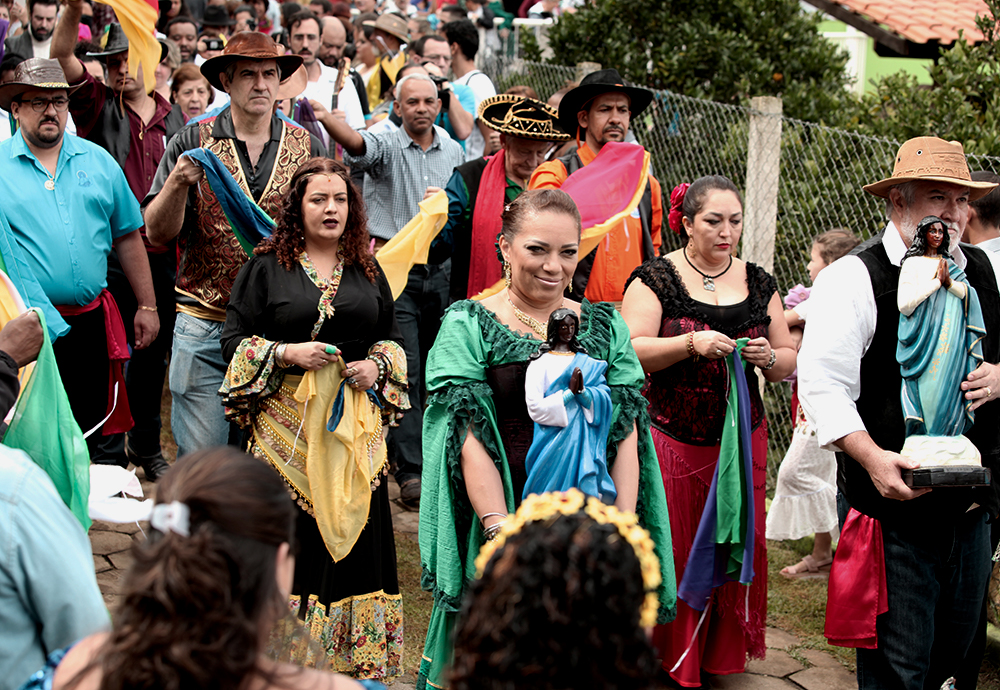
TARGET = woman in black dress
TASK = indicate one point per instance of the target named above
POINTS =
(316, 373)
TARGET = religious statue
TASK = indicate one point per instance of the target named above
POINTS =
(569, 400)
(940, 334)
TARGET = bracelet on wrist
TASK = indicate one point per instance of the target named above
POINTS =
(143, 307)
(380, 363)
(690, 346)
(492, 531)
(770, 362)
(279, 355)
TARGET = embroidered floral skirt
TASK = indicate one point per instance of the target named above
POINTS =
(352, 607)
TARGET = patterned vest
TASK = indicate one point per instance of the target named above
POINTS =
(211, 257)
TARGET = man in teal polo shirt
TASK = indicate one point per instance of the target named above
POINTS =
(67, 202)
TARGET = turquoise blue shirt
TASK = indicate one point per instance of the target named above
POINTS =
(66, 233)
(48, 591)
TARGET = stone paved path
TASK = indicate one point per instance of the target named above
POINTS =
(812, 670)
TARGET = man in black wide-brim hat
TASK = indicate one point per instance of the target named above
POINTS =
(602, 107)
(479, 190)
(133, 126)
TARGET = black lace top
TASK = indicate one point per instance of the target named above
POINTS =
(687, 401)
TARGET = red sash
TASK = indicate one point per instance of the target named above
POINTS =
(121, 420)
(484, 267)
(857, 591)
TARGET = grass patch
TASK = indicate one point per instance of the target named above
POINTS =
(799, 606)
(416, 604)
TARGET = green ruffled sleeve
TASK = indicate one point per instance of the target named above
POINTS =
(459, 398)
(625, 377)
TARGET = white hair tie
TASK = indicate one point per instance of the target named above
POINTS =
(174, 517)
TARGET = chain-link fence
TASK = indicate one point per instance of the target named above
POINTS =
(800, 178)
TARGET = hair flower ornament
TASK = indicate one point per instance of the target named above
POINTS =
(171, 517)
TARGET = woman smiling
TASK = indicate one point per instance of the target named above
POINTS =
(477, 428)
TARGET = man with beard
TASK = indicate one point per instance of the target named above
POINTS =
(35, 42)
(68, 203)
(603, 107)
(304, 41)
(930, 550)
(184, 32)
(132, 126)
(250, 140)
(403, 167)
(479, 190)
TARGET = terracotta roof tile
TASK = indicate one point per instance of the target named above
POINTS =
(921, 21)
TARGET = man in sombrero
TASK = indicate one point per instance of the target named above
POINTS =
(909, 574)
(249, 139)
(601, 108)
(479, 190)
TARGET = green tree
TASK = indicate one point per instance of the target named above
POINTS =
(723, 50)
(962, 102)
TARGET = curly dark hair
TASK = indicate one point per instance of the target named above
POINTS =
(557, 608)
(919, 245)
(556, 319)
(288, 240)
(194, 608)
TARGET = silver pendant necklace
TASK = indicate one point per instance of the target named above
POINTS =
(707, 281)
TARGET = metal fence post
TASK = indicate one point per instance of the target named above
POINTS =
(760, 217)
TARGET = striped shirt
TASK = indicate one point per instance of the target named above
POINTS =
(398, 172)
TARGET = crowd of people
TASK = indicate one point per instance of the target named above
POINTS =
(575, 411)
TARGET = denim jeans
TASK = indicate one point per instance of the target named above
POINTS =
(935, 575)
(196, 373)
(418, 313)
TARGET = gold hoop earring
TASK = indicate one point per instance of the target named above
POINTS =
(506, 272)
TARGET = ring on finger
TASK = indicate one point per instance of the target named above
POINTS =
(352, 382)
(989, 392)
(718, 351)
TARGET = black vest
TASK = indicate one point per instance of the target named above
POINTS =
(881, 409)
(582, 276)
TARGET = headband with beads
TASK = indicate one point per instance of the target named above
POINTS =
(538, 507)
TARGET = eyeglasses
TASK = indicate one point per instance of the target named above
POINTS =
(40, 105)
(437, 59)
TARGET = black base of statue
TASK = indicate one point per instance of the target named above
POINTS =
(968, 475)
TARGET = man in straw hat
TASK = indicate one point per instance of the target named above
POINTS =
(131, 125)
(388, 37)
(479, 190)
(249, 139)
(603, 107)
(67, 202)
(932, 546)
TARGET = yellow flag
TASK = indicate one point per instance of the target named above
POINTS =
(411, 245)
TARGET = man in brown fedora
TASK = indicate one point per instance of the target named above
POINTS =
(602, 107)
(131, 125)
(249, 139)
(68, 203)
(479, 190)
(930, 553)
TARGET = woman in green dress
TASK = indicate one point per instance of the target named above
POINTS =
(477, 430)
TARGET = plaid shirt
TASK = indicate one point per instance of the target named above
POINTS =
(398, 172)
